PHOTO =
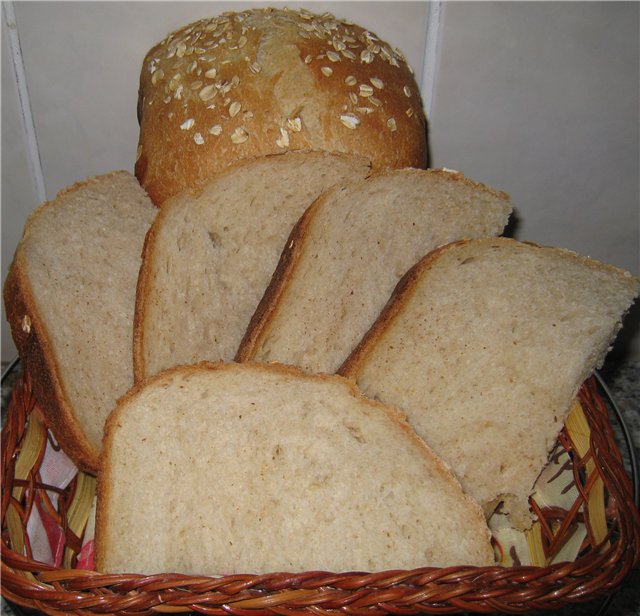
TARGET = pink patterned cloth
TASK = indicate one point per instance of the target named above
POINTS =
(45, 534)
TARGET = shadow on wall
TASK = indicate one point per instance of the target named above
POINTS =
(511, 230)
(622, 350)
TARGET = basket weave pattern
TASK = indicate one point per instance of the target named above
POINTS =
(599, 568)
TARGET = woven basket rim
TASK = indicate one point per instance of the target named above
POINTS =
(494, 588)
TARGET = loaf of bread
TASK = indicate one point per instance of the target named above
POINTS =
(251, 468)
(264, 81)
(484, 346)
(70, 298)
(348, 252)
(210, 254)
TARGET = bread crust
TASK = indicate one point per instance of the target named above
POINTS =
(144, 274)
(257, 82)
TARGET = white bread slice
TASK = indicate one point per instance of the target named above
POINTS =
(70, 298)
(484, 345)
(210, 255)
(348, 252)
(231, 468)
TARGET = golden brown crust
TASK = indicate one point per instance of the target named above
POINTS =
(39, 360)
(101, 527)
(103, 487)
(139, 311)
(265, 81)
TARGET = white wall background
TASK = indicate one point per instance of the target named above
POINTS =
(538, 99)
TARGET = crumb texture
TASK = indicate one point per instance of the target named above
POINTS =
(358, 243)
(487, 349)
(248, 468)
(80, 256)
(211, 255)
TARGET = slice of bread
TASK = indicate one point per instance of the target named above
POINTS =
(231, 468)
(70, 298)
(210, 255)
(484, 346)
(348, 252)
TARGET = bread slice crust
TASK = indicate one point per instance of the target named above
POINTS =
(34, 347)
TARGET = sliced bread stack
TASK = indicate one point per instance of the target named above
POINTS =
(246, 468)
(347, 253)
(70, 300)
(484, 345)
(275, 244)
(211, 253)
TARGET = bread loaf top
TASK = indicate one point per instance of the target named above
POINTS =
(252, 468)
(264, 81)
(70, 297)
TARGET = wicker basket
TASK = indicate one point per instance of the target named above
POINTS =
(604, 558)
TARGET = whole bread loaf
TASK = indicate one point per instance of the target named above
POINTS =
(70, 298)
(264, 81)
(251, 468)
(211, 252)
(484, 346)
(349, 250)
